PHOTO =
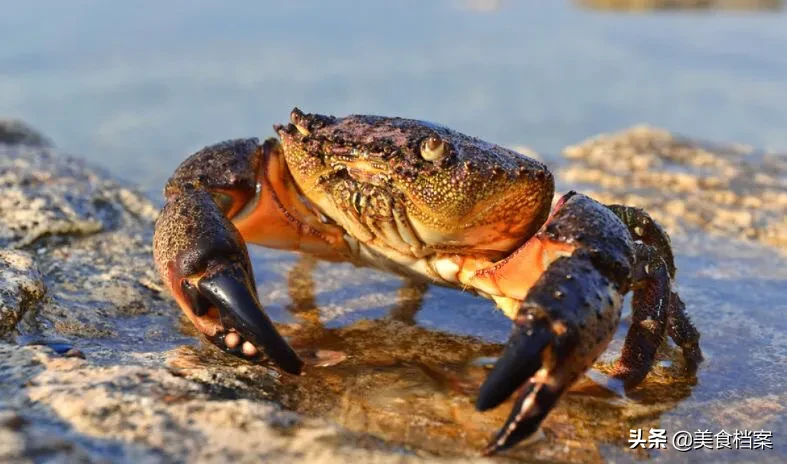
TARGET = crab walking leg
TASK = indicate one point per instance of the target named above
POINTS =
(683, 332)
(643, 228)
(649, 317)
(300, 286)
(204, 262)
(679, 326)
(567, 316)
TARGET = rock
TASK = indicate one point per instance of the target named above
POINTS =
(731, 190)
(42, 194)
(21, 287)
(15, 132)
(138, 414)
(393, 370)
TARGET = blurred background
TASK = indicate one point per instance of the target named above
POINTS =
(137, 85)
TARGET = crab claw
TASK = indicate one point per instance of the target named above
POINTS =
(230, 291)
(523, 366)
(558, 333)
(520, 360)
(206, 266)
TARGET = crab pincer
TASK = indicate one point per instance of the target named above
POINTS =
(570, 313)
(557, 334)
(204, 261)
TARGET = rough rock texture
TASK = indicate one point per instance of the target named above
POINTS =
(44, 194)
(21, 287)
(68, 409)
(392, 370)
(733, 190)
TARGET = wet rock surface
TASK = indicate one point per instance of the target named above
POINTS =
(393, 368)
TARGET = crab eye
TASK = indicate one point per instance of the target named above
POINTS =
(297, 119)
(432, 148)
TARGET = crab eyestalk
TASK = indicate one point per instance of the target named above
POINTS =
(204, 262)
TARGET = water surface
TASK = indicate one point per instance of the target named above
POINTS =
(135, 86)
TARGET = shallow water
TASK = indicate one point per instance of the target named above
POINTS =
(136, 86)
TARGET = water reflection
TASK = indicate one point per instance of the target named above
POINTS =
(414, 386)
(648, 5)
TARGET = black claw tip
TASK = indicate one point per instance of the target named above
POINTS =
(521, 359)
(528, 412)
(198, 303)
(230, 292)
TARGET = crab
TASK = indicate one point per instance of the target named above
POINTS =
(429, 203)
